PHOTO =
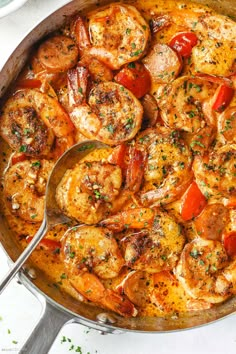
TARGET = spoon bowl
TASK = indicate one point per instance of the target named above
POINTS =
(52, 213)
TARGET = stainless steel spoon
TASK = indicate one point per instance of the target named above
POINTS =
(52, 214)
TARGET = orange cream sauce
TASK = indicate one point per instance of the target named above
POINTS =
(169, 297)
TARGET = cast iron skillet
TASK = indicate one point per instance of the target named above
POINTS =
(60, 308)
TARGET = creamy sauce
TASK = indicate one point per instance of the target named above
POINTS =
(170, 296)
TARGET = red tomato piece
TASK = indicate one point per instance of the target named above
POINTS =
(135, 169)
(230, 243)
(193, 202)
(136, 78)
(183, 43)
(231, 202)
(223, 98)
(18, 157)
(47, 244)
(118, 156)
(29, 83)
(216, 79)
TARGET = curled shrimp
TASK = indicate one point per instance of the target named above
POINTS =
(185, 104)
(168, 166)
(154, 249)
(111, 114)
(169, 296)
(92, 289)
(216, 172)
(90, 253)
(211, 28)
(158, 244)
(24, 188)
(118, 35)
(31, 119)
(201, 270)
(87, 191)
(137, 218)
(92, 249)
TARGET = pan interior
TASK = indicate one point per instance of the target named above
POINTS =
(8, 73)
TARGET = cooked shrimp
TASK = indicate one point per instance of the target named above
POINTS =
(22, 128)
(186, 104)
(97, 69)
(214, 57)
(216, 172)
(87, 191)
(230, 274)
(170, 297)
(151, 115)
(215, 53)
(112, 114)
(168, 168)
(58, 54)
(90, 253)
(30, 119)
(118, 35)
(92, 249)
(154, 249)
(200, 270)
(24, 188)
(135, 218)
(227, 124)
(136, 286)
(92, 289)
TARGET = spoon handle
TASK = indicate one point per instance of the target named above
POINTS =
(24, 255)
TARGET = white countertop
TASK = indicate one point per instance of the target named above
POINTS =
(19, 309)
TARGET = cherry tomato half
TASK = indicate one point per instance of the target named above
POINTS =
(230, 243)
(29, 83)
(136, 78)
(118, 156)
(193, 202)
(47, 244)
(183, 43)
(18, 157)
(223, 98)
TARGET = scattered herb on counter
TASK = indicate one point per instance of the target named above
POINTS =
(73, 347)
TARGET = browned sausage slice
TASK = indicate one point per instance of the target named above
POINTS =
(211, 222)
(163, 63)
(58, 53)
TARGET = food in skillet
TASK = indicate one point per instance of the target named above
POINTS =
(153, 229)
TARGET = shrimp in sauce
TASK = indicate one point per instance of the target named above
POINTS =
(118, 35)
(90, 253)
(111, 114)
(24, 188)
(31, 119)
(87, 191)
(156, 83)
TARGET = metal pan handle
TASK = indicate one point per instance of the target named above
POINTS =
(45, 332)
(52, 320)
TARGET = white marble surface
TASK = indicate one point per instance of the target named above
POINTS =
(19, 310)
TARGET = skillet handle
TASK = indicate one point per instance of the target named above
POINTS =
(45, 332)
